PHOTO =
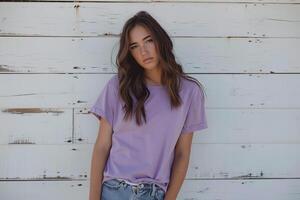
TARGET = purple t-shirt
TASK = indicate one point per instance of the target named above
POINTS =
(145, 153)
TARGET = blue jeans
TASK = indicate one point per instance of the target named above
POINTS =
(114, 189)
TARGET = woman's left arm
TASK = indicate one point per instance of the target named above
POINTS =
(179, 166)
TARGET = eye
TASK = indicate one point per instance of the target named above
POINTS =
(132, 47)
(150, 40)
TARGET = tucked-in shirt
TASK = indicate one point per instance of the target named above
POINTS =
(143, 154)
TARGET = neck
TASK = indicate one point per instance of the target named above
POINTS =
(153, 76)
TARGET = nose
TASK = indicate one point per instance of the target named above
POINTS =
(143, 49)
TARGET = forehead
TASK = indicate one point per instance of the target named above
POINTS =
(137, 33)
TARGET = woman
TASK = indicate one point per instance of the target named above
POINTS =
(148, 112)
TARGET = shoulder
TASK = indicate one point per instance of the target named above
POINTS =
(113, 82)
(190, 86)
(112, 86)
(113, 79)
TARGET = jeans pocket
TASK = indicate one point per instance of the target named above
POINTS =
(112, 184)
(159, 194)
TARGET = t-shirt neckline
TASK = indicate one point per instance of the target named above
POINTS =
(154, 85)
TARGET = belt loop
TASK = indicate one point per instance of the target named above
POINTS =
(122, 183)
(134, 189)
(153, 189)
(141, 185)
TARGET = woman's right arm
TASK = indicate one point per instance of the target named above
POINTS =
(99, 157)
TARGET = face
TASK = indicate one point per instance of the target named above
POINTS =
(142, 48)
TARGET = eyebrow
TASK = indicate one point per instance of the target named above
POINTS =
(143, 39)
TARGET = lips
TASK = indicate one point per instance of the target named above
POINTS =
(147, 59)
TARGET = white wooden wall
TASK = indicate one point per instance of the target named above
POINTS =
(55, 58)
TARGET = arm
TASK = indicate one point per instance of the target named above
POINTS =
(99, 158)
(179, 166)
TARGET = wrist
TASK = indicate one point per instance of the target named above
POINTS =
(168, 196)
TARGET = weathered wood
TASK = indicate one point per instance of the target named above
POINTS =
(191, 189)
(254, 126)
(81, 90)
(187, 1)
(197, 55)
(227, 126)
(106, 19)
(209, 161)
(251, 148)
(36, 126)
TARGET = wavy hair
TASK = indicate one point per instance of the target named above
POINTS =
(132, 86)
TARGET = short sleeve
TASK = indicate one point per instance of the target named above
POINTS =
(105, 103)
(196, 116)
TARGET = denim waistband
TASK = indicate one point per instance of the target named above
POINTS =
(128, 182)
(138, 186)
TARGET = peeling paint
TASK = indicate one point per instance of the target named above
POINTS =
(69, 140)
(52, 178)
(224, 174)
(244, 146)
(247, 176)
(283, 20)
(228, 37)
(22, 141)
(79, 101)
(77, 17)
(16, 95)
(85, 111)
(5, 68)
(202, 191)
(261, 173)
(111, 34)
(30, 110)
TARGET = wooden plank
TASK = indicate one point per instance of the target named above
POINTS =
(55, 127)
(36, 126)
(81, 90)
(188, 1)
(223, 1)
(44, 162)
(46, 190)
(254, 126)
(191, 189)
(240, 189)
(229, 161)
(102, 19)
(86, 126)
(97, 55)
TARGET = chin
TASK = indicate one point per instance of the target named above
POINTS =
(151, 68)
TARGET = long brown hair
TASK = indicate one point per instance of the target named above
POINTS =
(132, 86)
